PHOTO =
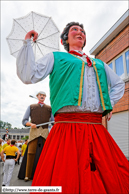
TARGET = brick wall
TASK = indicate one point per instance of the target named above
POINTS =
(115, 47)
(111, 50)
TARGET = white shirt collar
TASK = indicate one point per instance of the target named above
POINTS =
(81, 52)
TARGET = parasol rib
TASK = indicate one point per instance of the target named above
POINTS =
(33, 19)
(14, 39)
(9, 46)
(20, 25)
(44, 26)
(19, 49)
(15, 52)
(48, 36)
(35, 50)
(39, 49)
(47, 46)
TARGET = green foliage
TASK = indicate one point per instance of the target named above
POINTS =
(26, 137)
(5, 125)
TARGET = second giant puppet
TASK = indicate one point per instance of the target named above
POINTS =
(39, 113)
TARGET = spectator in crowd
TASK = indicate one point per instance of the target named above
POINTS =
(7, 144)
(8, 141)
(9, 162)
(0, 148)
(21, 142)
(24, 146)
(3, 141)
(19, 147)
(22, 149)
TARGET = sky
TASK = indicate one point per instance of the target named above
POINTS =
(96, 16)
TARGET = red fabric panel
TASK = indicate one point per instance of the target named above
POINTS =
(80, 117)
(83, 159)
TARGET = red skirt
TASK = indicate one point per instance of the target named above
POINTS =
(83, 158)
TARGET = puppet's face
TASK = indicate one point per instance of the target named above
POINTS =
(76, 37)
(41, 97)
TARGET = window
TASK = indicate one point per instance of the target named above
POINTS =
(17, 136)
(127, 61)
(14, 136)
(110, 65)
(119, 66)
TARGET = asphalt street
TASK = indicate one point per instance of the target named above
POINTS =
(14, 181)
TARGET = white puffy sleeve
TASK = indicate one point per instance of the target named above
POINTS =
(116, 85)
(30, 71)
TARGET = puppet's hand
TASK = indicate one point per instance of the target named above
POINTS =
(33, 125)
(109, 115)
(30, 34)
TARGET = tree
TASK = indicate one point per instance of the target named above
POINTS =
(5, 125)
(26, 137)
(2, 124)
(8, 125)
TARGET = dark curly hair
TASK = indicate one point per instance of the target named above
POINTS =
(64, 35)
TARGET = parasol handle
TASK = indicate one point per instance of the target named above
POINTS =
(33, 36)
(30, 34)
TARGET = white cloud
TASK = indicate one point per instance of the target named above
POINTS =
(97, 17)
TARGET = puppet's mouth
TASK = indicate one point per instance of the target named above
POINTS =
(79, 37)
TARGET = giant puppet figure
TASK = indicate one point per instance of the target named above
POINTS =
(79, 154)
(40, 114)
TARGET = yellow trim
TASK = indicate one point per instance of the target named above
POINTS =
(100, 90)
(81, 81)
(78, 58)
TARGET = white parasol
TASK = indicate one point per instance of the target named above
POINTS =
(48, 34)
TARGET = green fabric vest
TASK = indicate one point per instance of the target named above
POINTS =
(66, 82)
